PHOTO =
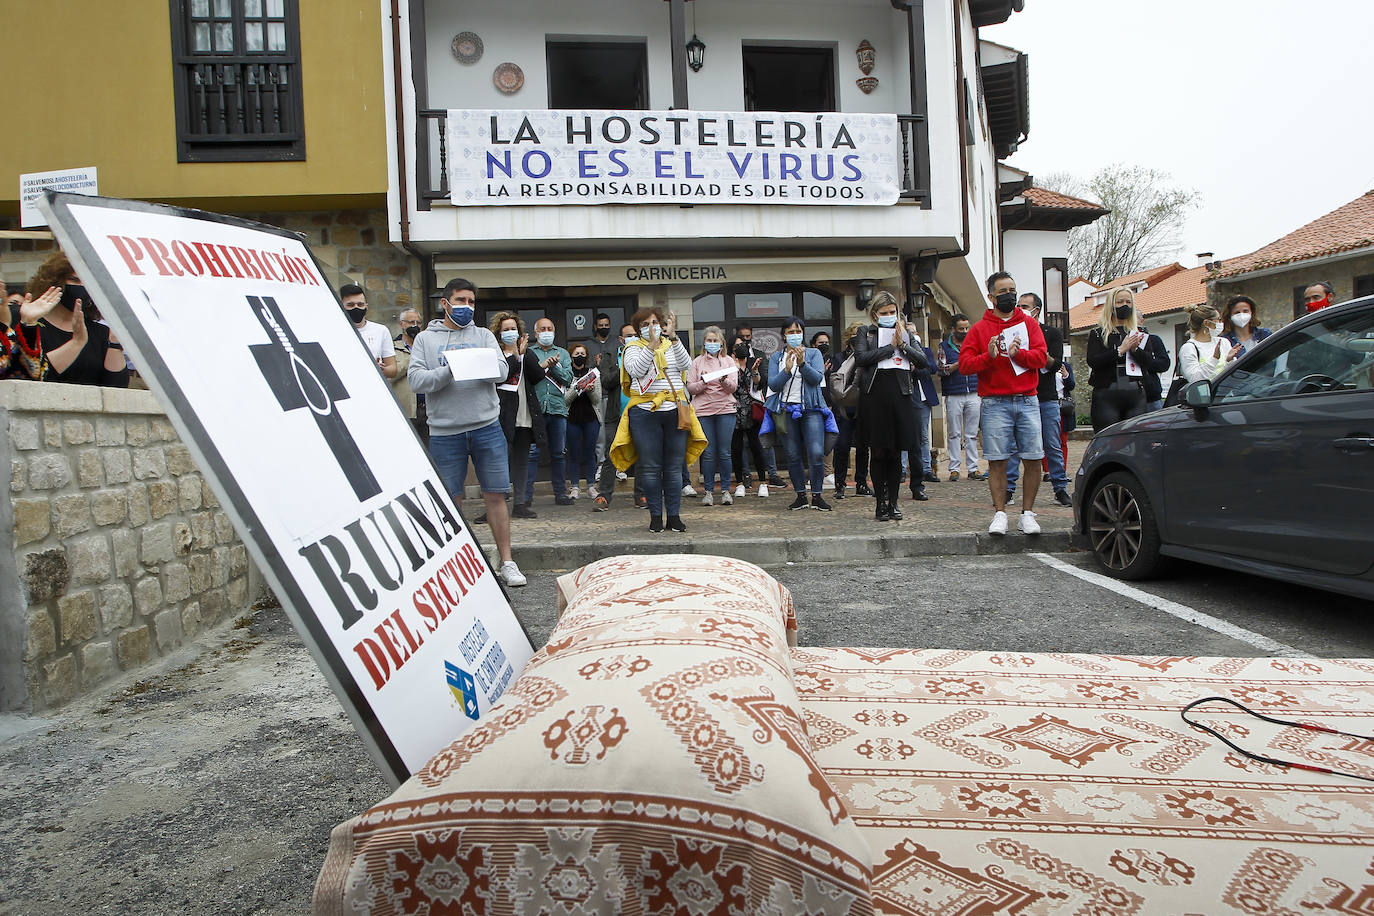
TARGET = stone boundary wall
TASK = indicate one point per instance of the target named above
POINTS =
(118, 551)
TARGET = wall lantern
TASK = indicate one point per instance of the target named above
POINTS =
(866, 288)
(867, 57)
(696, 53)
(917, 300)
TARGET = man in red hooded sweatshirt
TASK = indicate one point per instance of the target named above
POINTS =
(1006, 350)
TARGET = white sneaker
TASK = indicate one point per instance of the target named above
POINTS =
(763, 490)
(1027, 524)
(688, 491)
(621, 475)
(591, 491)
(574, 492)
(725, 499)
(829, 481)
(999, 523)
(511, 575)
(707, 501)
(740, 491)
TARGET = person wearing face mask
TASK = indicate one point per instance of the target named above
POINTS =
(923, 399)
(798, 412)
(1241, 325)
(846, 421)
(1125, 361)
(522, 419)
(649, 438)
(712, 382)
(412, 404)
(80, 350)
(1006, 350)
(465, 416)
(1207, 351)
(820, 342)
(375, 336)
(613, 409)
(961, 404)
(1318, 296)
(885, 357)
(758, 389)
(557, 366)
(601, 354)
(748, 413)
(583, 397)
(21, 344)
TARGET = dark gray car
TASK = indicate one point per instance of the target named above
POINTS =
(1269, 468)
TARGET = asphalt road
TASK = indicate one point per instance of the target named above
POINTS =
(210, 785)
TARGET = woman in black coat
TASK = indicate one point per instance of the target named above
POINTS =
(521, 426)
(1126, 362)
(887, 418)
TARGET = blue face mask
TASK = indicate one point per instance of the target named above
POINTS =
(794, 340)
(887, 321)
(546, 338)
(713, 347)
(461, 315)
(510, 337)
(649, 332)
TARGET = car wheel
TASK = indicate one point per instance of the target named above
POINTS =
(1121, 527)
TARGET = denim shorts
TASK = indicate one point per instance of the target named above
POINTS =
(486, 446)
(1011, 426)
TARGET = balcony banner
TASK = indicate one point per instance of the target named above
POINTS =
(280, 403)
(513, 157)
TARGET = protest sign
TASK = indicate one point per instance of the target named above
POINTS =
(235, 329)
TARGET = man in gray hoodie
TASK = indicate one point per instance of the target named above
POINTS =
(465, 417)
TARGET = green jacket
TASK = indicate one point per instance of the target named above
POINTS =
(550, 395)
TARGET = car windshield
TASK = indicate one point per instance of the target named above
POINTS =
(1336, 354)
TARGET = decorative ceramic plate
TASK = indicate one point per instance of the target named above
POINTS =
(508, 78)
(467, 47)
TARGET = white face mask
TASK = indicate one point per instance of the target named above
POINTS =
(1240, 319)
(1217, 328)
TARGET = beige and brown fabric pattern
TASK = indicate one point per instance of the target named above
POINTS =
(652, 758)
(996, 782)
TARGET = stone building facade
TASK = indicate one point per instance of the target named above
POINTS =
(118, 550)
(1273, 292)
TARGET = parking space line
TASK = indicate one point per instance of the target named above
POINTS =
(1181, 611)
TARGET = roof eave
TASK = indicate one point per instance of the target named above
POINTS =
(1295, 265)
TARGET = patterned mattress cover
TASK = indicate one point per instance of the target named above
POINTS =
(996, 782)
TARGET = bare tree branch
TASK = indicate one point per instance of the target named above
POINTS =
(1143, 228)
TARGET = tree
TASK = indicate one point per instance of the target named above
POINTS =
(1142, 230)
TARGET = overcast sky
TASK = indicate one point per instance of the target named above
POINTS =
(1262, 106)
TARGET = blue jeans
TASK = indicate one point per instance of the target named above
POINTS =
(923, 436)
(806, 438)
(720, 431)
(582, 439)
(1054, 449)
(557, 429)
(662, 448)
(1011, 426)
(487, 449)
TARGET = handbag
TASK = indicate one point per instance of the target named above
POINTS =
(844, 390)
(1177, 386)
(1068, 414)
(684, 409)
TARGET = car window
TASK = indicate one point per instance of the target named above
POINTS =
(1336, 354)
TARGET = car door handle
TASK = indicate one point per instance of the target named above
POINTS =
(1355, 444)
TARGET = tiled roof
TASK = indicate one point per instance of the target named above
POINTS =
(1151, 276)
(1175, 291)
(1039, 197)
(1343, 229)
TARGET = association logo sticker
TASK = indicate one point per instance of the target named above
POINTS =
(463, 688)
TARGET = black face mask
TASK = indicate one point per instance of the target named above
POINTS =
(741, 351)
(824, 348)
(72, 292)
(579, 361)
(411, 331)
(1124, 311)
(603, 333)
(356, 315)
(1006, 302)
(960, 335)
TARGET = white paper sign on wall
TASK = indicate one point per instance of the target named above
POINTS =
(236, 330)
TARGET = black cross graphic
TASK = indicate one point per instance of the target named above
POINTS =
(300, 375)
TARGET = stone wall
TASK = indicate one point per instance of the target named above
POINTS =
(119, 551)
(1273, 294)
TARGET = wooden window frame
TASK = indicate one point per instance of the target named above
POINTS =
(199, 145)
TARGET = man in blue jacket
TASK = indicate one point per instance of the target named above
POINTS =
(962, 404)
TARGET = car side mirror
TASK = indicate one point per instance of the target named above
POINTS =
(1198, 395)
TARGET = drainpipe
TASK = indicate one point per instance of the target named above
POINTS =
(426, 262)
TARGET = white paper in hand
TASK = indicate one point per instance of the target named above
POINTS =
(898, 359)
(1019, 333)
(718, 374)
(476, 364)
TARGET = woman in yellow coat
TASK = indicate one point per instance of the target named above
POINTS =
(651, 376)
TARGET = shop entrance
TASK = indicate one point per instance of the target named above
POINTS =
(573, 318)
